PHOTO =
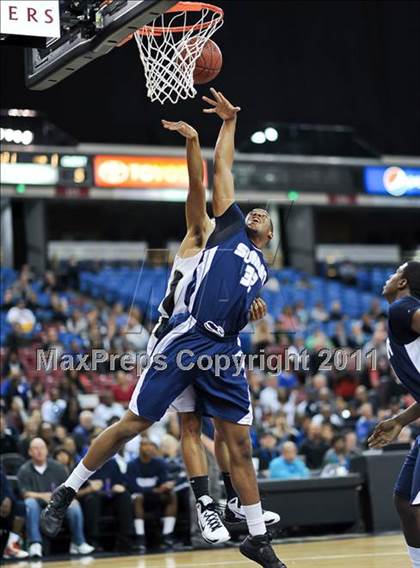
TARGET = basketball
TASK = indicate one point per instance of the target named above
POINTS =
(209, 63)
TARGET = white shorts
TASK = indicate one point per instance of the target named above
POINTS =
(185, 402)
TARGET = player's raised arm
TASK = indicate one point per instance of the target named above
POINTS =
(223, 189)
(195, 207)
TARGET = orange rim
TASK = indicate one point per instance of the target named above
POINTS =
(180, 7)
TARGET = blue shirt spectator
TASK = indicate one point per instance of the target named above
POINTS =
(147, 472)
(288, 466)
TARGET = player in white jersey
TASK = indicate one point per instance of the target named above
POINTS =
(199, 228)
(402, 290)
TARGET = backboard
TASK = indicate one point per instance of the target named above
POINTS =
(89, 29)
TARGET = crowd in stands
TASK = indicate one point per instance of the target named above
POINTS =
(312, 414)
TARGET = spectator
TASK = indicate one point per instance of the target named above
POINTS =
(267, 451)
(84, 430)
(319, 313)
(137, 336)
(8, 439)
(64, 457)
(288, 466)
(37, 478)
(147, 478)
(53, 409)
(314, 447)
(336, 312)
(12, 365)
(21, 319)
(12, 518)
(77, 324)
(352, 448)
(366, 422)
(106, 410)
(337, 454)
(123, 390)
(106, 492)
(269, 396)
(30, 431)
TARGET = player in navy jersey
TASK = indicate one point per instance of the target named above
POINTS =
(228, 278)
(402, 290)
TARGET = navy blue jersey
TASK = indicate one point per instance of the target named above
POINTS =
(228, 278)
(404, 344)
(143, 477)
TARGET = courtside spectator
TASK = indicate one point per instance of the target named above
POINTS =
(267, 451)
(288, 465)
(37, 479)
(12, 519)
(314, 447)
(149, 485)
(106, 493)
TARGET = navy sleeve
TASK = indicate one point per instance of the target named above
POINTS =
(231, 222)
(117, 475)
(401, 314)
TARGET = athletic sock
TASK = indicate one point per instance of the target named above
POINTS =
(200, 486)
(230, 490)
(13, 537)
(414, 554)
(139, 527)
(168, 525)
(254, 519)
(78, 477)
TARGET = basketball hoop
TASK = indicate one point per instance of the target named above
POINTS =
(170, 46)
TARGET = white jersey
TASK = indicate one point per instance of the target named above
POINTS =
(181, 275)
(174, 301)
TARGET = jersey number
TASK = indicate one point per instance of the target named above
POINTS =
(249, 278)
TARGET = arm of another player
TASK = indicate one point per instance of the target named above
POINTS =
(415, 322)
(223, 187)
(195, 208)
(388, 430)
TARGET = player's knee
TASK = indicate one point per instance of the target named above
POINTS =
(190, 426)
(241, 449)
(131, 425)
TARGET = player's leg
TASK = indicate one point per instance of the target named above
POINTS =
(234, 516)
(257, 546)
(195, 459)
(407, 502)
(225, 396)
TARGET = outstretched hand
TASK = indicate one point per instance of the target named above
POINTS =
(182, 127)
(221, 106)
(385, 433)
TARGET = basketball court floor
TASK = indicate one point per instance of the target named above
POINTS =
(366, 552)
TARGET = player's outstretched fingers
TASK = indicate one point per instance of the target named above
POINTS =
(209, 100)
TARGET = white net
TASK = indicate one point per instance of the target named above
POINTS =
(169, 48)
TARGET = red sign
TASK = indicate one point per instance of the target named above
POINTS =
(72, 192)
(142, 172)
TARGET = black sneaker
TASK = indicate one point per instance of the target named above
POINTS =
(167, 542)
(259, 549)
(53, 515)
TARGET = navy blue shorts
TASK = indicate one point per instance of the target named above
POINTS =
(221, 392)
(408, 482)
